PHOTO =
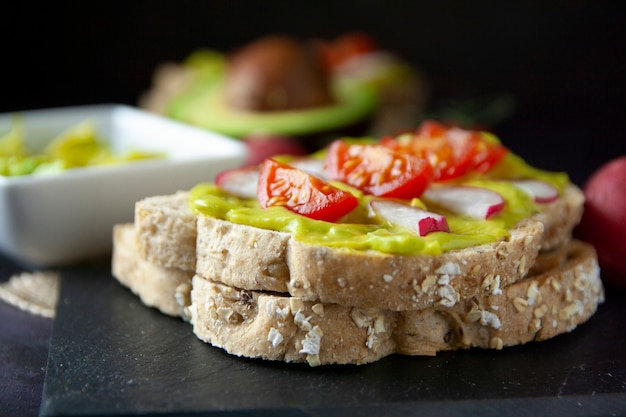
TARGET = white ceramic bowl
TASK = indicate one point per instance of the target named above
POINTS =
(68, 217)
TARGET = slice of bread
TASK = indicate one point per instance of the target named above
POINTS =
(166, 230)
(279, 327)
(560, 217)
(167, 233)
(167, 289)
(562, 290)
(256, 259)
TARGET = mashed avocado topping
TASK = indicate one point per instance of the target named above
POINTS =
(78, 146)
(363, 230)
(360, 231)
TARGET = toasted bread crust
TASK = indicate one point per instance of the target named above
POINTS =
(560, 217)
(243, 256)
(256, 259)
(552, 301)
(166, 231)
(278, 327)
(562, 291)
(167, 289)
(264, 325)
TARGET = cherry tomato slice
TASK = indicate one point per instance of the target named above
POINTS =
(451, 151)
(378, 170)
(283, 185)
(487, 155)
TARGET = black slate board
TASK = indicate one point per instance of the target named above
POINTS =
(110, 355)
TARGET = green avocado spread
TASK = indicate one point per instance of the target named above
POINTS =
(204, 107)
(76, 147)
(201, 104)
(363, 231)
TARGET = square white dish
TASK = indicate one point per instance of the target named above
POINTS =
(68, 217)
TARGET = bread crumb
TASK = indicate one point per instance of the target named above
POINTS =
(488, 318)
(534, 325)
(448, 295)
(532, 294)
(318, 309)
(274, 337)
(313, 360)
(496, 343)
(520, 304)
(302, 321)
(34, 292)
(273, 310)
(540, 311)
(428, 283)
(296, 305)
(312, 341)
(359, 317)
(449, 268)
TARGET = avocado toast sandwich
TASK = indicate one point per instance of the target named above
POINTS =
(325, 259)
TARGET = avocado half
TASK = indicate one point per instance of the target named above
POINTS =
(203, 107)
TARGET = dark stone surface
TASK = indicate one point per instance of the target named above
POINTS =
(110, 355)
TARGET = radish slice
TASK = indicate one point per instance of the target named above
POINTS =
(540, 191)
(312, 166)
(240, 182)
(417, 220)
(476, 202)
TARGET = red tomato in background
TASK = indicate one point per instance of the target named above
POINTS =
(378, 170)
(283, 185)
(451, 151)
(345, 47)
(604, 221)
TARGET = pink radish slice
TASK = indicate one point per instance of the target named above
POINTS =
(540, 191)
(240, 182)
(312, 166)
(476, 202)
(415, 219)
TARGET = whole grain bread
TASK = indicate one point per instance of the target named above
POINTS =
(167, 234)
(165, 227)
(560, 217)
(280, 327)
(167, 289)
(256, 259)
(563, 291)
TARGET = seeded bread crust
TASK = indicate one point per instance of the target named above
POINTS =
(255, 259)
(560, 217)
(278, 327)
(166, 230)
(552, 301)
(167, 289)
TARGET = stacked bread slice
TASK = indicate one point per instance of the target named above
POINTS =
(264, 294)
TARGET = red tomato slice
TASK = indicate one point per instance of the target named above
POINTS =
(451, 151)
(487, 155)
(283, 185)
(378, 170)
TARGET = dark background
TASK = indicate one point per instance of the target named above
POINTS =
(561, 62)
